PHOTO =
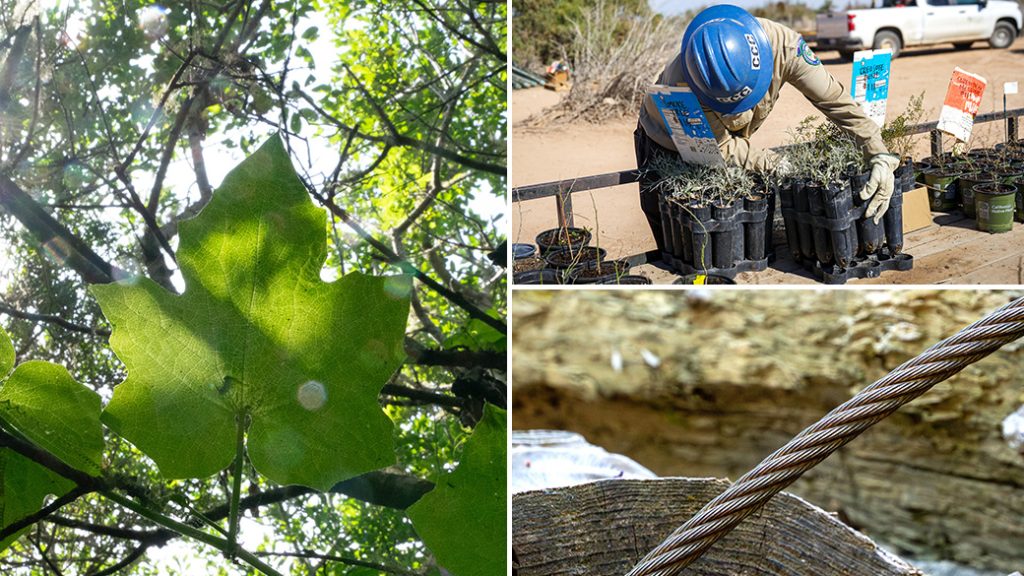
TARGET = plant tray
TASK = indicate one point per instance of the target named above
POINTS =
(828, 235)
(870, 266)
(718, 240)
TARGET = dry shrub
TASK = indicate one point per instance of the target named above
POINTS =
(614, 58)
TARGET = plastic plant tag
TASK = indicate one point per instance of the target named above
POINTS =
(686, 124)
(1009, 87)
(870, 86)
(963, 99)
(554, 458)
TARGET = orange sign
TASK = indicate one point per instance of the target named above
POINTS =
(963, 99)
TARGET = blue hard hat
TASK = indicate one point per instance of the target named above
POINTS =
(727, 60)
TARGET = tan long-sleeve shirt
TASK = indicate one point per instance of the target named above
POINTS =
(793, 64)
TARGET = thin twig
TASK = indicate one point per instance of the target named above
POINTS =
(307, 554)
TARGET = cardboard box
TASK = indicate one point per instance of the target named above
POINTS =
(917, 213)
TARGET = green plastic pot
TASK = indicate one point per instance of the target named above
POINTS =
(942, 190)
(996, 203)
(967, 184)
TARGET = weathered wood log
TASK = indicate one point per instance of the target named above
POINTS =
(737, 375)
(604, 528)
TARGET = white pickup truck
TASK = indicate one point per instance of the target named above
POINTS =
(920, 22)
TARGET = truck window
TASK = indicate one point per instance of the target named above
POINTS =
(941, 2)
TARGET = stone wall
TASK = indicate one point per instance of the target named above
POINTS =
(708, 383)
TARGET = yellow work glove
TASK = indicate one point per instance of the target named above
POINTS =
(880, 185)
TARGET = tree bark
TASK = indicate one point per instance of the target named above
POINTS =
(604, 528)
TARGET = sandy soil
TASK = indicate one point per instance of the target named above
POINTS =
(569, 151)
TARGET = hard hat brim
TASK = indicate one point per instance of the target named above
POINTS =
(764, 78)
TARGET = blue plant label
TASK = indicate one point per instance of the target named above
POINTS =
(870, 86)
(686, 124)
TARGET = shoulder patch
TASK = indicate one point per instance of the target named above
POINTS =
(804, 51)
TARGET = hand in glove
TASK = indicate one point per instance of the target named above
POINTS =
(880, 185)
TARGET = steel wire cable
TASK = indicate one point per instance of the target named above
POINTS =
(815, 443)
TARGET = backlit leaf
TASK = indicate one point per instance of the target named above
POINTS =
(462, 520)
(257, 335)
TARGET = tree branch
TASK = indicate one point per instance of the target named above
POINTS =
(422, 396)
(125, 562)
(407, 267)
(309, 554)
(457, 358)
(55, 238)
(42, 514)
(5, 309)
(84, 481)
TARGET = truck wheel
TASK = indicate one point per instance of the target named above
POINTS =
(962, 45)
(1003, 35)
(890, 40)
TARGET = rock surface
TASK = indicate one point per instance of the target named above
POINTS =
(708, 383)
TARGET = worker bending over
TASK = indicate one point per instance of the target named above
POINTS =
(736, 65)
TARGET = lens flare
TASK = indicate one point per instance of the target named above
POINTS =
(153, 21)
(312, 395)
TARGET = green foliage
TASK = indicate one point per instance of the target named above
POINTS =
(477, 336)
(6, 354)
(24, 484)
(249, 341)
(462, 519)
(702, 185)
(42, 403)
(820, 151)
(394, 111)
(895, 132)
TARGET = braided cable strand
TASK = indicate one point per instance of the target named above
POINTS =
(838, 427)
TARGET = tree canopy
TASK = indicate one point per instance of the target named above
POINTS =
(252, 293)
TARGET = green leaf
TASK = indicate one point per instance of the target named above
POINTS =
(6, 354)
(257, 335)
(42, 403)
(477, 335)
(45, 404)
(23, 485)
(462, 520)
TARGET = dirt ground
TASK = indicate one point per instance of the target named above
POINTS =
(569, 151)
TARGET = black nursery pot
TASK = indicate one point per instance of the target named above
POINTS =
(590, 274)
(820, 235)
(801, 203)
(698, 246)
(567, 258)
(556, 238)
(892, 222)
(906, 174)
(727, 243)
(704, 279)
(755, 244)
(870, 236)
(628, 279)
(546, 276)
(520, 250)
(838, 204)
(787, 201)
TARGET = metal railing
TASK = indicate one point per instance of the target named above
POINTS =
(562, 190)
